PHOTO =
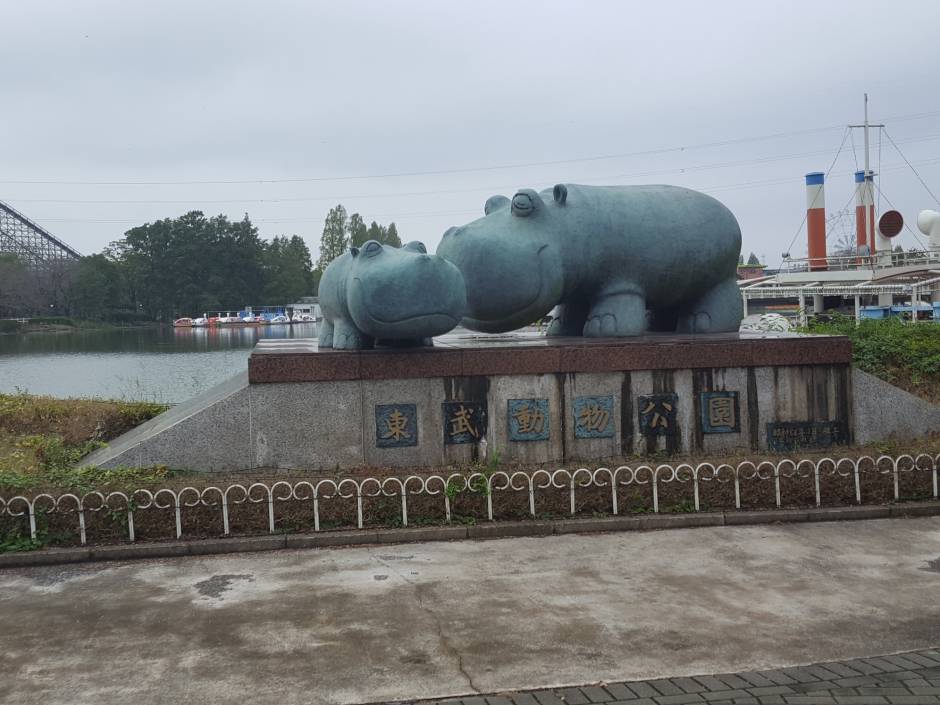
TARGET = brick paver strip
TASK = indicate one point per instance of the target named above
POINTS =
(549, 697)
(895, 679)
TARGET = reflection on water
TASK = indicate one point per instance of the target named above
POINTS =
(153, 364)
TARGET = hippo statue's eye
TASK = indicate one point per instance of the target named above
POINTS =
(371, 248)
(416, 246)
(522, 205)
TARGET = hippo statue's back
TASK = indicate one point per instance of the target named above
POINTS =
(675, 240)
(615, 260)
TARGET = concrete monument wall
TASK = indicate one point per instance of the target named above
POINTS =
(530, 408)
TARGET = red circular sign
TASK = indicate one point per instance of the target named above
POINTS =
(890, 223)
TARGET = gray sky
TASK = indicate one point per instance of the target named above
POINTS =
(487, 94)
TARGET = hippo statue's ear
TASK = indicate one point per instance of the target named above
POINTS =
(494, 203)
(416, 246)
(560, 194)
(354, 251)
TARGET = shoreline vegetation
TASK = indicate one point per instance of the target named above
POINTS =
(65, 324)
(175, 267)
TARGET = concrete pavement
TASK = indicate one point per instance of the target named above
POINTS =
(911, 678)
(378, 623)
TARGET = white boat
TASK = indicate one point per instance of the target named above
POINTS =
(183, 323)
(279, 320)
(200, 322)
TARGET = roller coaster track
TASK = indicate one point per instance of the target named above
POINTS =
(33, 244)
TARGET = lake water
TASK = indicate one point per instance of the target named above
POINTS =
(151, 364)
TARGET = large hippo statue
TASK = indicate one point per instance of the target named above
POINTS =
(388, 294)
(615, 260)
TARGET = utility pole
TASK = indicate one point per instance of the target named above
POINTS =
(868, 183)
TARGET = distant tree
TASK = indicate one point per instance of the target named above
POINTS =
(192, 264)
(288, 270)
(96, 288)
(740, 260)
(333, 242)
(752, 259)
(14, 285)
(391, 236)
(376, 232)
(357, 230)
(315, 278)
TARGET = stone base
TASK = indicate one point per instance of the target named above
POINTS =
(534, 400)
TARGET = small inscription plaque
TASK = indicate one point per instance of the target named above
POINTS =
(791, 435)
(594, 417)
(658, 414)
(720, 412)
(464, 421)
(396, 425)
(527, 419)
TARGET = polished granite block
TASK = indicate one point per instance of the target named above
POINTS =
(528, 419)
(721, 412)
(464, 421)
(593, 417)
(465, 354)
(396, 425)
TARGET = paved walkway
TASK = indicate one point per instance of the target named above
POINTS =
(911, 678)
(417, 621)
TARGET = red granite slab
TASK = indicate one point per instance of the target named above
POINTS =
(405, 364)
(516, 354)
(270, 367)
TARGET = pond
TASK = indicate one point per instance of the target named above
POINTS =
(166, 365)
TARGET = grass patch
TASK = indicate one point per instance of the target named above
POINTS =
(42, 439)
(905, 354)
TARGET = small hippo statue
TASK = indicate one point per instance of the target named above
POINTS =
(615, 260)
(389, 295)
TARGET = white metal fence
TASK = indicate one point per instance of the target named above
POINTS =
(861, 470)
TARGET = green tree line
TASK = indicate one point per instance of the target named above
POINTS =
(184, 266)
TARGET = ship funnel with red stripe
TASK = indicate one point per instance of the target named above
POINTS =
(864, 228)
(816, 219)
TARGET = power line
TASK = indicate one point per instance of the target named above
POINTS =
(854, 153)
(880, 141)
(922, 182)
(435, 172)
(346, 197)
(710, 189)
(439, 172)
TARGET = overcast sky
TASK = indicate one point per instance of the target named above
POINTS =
(418, 111)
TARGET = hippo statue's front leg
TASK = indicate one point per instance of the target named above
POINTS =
(347, 337)
(325, 334)
(617, 312)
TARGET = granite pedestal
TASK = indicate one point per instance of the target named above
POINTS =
(533, 399)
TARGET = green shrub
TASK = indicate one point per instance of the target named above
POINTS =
(906, 354)
(7, 326)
